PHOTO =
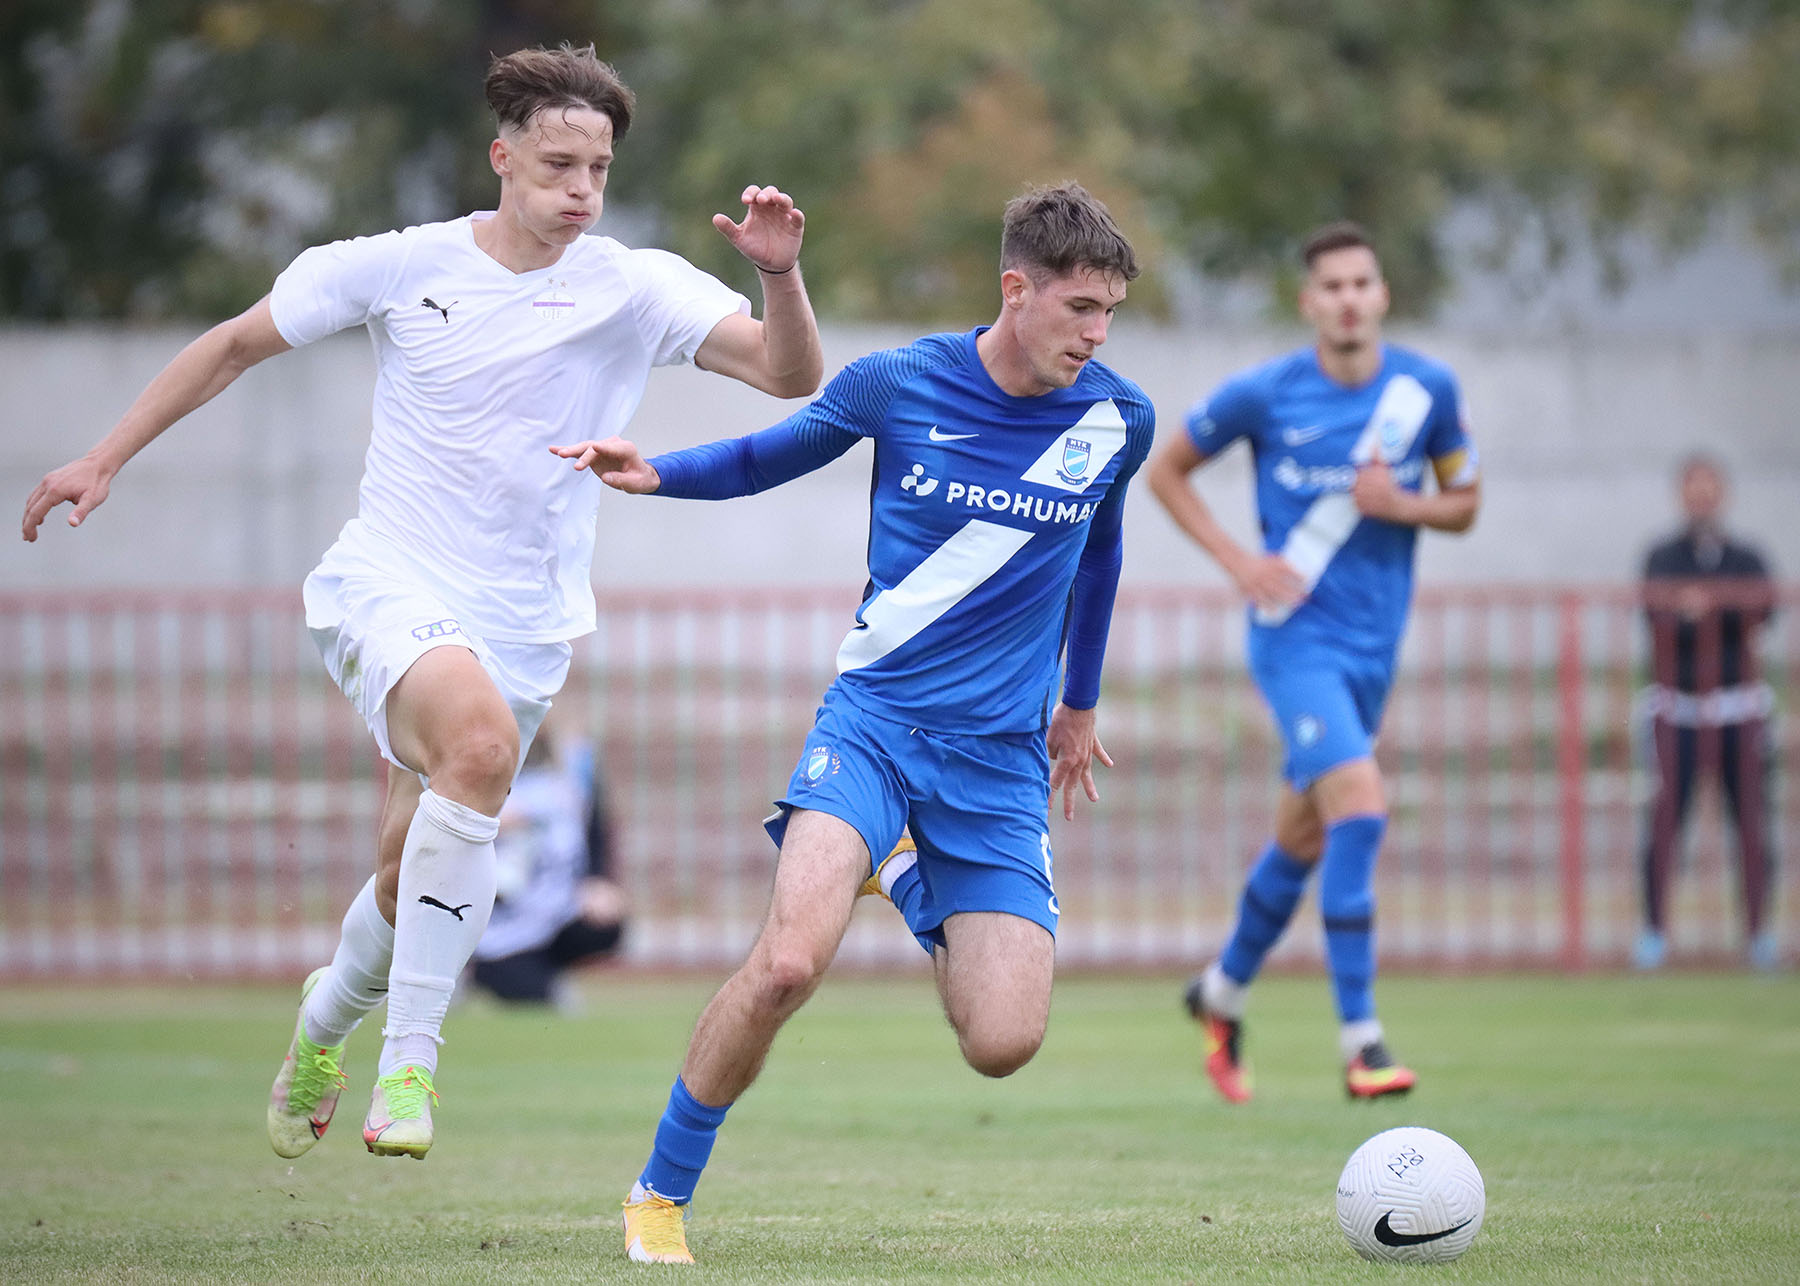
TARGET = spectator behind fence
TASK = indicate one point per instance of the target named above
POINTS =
(1707, 709)
(556, 905)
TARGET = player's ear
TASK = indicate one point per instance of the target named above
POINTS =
(500, 157)
(1015, 287)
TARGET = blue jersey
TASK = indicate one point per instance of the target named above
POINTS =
(980, 508)
(1308, 434)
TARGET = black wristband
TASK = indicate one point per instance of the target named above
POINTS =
(776, 272)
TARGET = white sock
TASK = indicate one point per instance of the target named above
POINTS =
(446, 896)
(1353, 1036)
(1221, 995)
(358, 979)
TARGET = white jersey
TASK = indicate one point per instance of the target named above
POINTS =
(479, 370)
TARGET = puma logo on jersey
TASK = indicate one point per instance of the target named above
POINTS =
(429, 302)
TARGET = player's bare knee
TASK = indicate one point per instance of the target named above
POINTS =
(477, 768)
(786, 974)
(1000, 1054)
(1302, 840)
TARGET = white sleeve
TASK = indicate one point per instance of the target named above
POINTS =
(677, 305)
(333, 286)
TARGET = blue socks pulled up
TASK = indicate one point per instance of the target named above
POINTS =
(1347, 903)
(684, 1141)
(1270, 894)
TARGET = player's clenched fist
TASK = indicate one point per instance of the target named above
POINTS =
(615, 462)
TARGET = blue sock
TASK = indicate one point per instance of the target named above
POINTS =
(907, 892)
(1270, 894)
(1347, 902)
(684, 1140)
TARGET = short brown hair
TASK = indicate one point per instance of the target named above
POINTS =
(1341, 235)
(1062, 228)
(528, 81)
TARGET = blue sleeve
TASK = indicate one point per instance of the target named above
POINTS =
(1234, 411)
(1447, 442)
(744, 466)
(852, 406)
(1097, 582)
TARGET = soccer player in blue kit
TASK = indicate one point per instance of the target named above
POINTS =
(1342, 433)
(1001, 462)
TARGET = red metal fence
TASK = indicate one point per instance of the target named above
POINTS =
(183, 793)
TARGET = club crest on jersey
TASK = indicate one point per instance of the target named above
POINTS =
(819, 761)
(553, 305)
(1075, 457)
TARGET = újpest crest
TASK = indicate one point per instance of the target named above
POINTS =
(1075, 457)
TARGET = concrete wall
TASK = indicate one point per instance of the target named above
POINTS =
(1579, 437)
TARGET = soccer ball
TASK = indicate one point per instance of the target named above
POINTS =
(1411, 1195)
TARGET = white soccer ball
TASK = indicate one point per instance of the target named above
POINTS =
(1411, 1195)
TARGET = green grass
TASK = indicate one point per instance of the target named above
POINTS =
(1629, 1130)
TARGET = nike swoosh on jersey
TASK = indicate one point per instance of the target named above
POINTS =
(1300, 437)
(938, 435)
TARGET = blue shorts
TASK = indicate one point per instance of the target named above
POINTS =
(1327, 702)
(977, 807)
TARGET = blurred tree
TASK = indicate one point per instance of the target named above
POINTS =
(167, 156)
(1222, 130)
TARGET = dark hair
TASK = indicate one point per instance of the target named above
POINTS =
(1342, 235)
(1059, 229)
(528, 81)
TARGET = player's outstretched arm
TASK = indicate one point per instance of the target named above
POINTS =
(197, 374)
(1267, 580)
(615, 462)
(781, 354)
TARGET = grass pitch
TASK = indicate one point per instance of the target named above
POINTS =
(1629, 1129)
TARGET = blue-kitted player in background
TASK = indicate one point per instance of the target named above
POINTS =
(1342, 434)
(1001, 462)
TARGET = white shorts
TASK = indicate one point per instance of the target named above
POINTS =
(371, 626)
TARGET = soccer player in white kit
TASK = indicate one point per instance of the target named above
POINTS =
(445, 609)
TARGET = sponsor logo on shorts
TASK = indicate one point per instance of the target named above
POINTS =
(1308, 729)
(1049, 872)
(436, 630)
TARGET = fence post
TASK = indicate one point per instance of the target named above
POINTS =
(1571, 772)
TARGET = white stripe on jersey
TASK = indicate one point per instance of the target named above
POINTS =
(949, 575)
(1072, 461)
(1314, 541)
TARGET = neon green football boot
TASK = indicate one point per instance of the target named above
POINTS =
(399, 1120)
(306, 1090)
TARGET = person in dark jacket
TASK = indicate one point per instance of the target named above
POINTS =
(1706, 597)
